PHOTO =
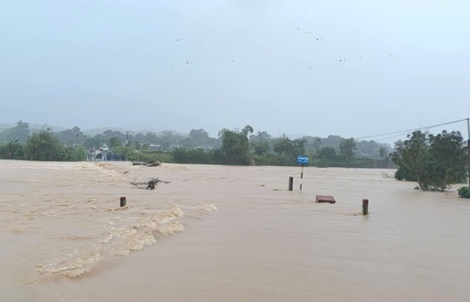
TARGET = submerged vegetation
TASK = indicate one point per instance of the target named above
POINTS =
(464, 192)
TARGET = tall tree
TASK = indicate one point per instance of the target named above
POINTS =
(449, 159)
(435, 161)
(95, 141)
(43, 145)
(346, 149)
(283, 145)
(327, 154)
(71, 137)
(235, 148)
(382, 152)
(115, 142)
(18, 133)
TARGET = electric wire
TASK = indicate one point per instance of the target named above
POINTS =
(403, 132)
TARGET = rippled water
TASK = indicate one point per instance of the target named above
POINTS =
(220, 233)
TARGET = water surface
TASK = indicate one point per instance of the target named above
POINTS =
(223, 233)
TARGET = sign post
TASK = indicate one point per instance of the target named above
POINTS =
(302, 160)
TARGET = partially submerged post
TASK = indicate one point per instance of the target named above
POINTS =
(123, 201)
(291, 183)
(365, 206)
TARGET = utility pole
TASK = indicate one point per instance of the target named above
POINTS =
(468, 149)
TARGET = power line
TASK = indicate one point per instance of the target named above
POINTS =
(399, 133)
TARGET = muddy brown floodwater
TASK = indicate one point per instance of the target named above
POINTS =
(225, 233)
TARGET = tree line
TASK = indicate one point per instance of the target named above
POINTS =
(233, 147)
(433, 161)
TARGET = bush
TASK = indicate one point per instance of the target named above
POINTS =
(464, 192)
(193, 156)
(73, 154)
(11, 150)
(150, 156)
(44, 146)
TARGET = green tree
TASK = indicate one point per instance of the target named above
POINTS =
(199, 137)
(346, 149)
(168, 139)
(435, 161)
(327, 157)
(73, 153)
(260, 143)
(18, 133)
(11, 150)
(137, 145)
(317, 144)
(235, 148)
(382, 152)
(94, 141)
(71, 137)
(328, 154)
(260, 147)
(193, 156)
(261, 136)
(283, 145)
(115, 142)
(43, 145)
(413, 156)
(125, 152)
(449, 159)
(288, 149)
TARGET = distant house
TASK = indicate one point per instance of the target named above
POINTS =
(174, 146)
(155, 147)
(362, 154)
(204, 148)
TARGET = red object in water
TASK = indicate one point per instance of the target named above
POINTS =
(325, 198)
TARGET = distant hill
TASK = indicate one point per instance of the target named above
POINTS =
(5, 126)
(96, 131)
(88, 132)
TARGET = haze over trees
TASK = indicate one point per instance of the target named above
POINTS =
(234, 147)
(19, 133)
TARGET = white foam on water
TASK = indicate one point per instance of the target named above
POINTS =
(119, 241)
(69, 220)
(264, 243)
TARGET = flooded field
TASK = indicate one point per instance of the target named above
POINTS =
(224, 233)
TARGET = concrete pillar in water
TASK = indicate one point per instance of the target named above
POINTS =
(123, 201)
(291, 183)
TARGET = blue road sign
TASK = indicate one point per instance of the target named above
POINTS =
(302, 159)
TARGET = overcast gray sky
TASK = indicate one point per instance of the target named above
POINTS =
(349, 68)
